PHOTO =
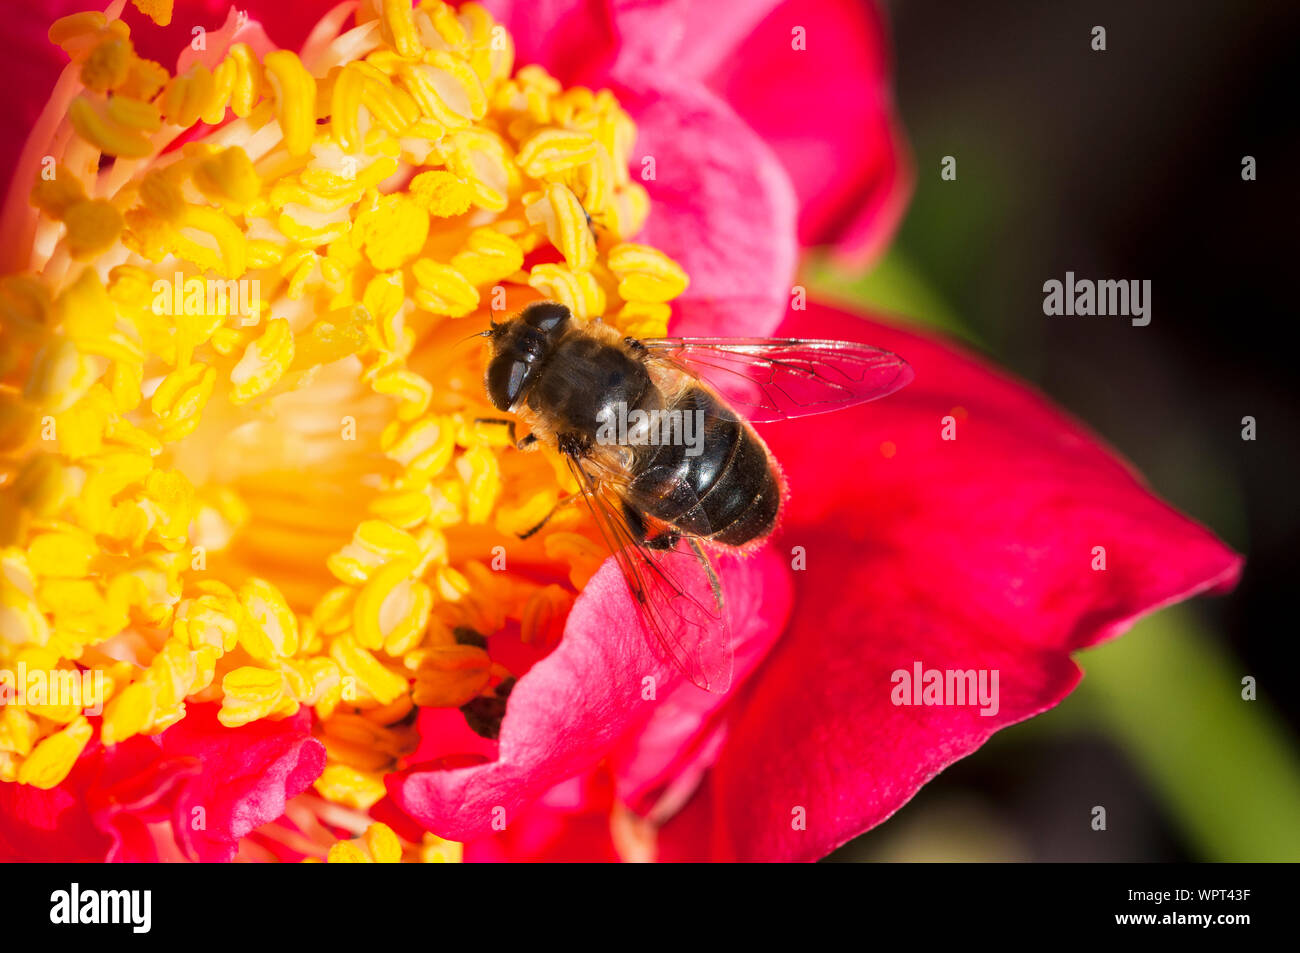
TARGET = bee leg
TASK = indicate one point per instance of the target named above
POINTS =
(547, 518)
(524, 443)
(501, 421)
(665, 540)
(591, 226)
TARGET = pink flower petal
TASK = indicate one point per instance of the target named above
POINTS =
(584, 700)
(238, 27)
(579, 41)
(576, 40)
(973, 553)
(721, 203)
(827, 111)
(248, 774)
(569, 823)
(34, 67)
(684, 38)
(721, 206)
(100, 811)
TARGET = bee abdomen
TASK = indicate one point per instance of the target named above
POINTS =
(743, 503)
(724, 490)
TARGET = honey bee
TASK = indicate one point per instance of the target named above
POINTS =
(670, 467)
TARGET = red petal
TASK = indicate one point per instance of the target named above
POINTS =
(686, 39)
(100, 810)
(973, 553)
(568, 824)
(34, 67)
(50, 826)
(721, 203)
(580, 41)
(583, 701)
(248, 774)
(721, 206)
(828, 113)
(576, 40)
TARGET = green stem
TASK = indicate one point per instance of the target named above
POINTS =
(1224, 767)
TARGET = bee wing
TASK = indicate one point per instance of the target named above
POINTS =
(677, 590)
(780, 378)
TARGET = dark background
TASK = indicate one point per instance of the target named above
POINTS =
(1124, 164)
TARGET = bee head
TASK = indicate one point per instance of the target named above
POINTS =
(519, 347)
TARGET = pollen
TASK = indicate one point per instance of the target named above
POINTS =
(393, 231)
(440, 193)
(160, 11)
(238, 442)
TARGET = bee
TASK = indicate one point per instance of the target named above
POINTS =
(657, 435)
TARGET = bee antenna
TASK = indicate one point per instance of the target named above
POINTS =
(477, 334)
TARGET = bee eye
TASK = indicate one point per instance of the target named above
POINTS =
(520, 353)
(505, 380)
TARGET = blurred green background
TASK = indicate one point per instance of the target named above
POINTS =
(1123, 163)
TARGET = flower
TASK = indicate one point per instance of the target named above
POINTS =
(269, 512)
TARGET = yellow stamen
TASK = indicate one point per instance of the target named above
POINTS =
(379, 845)
(451, 675)
(295, 95)
(52, 759)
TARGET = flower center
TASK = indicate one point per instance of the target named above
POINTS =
(241, 461)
